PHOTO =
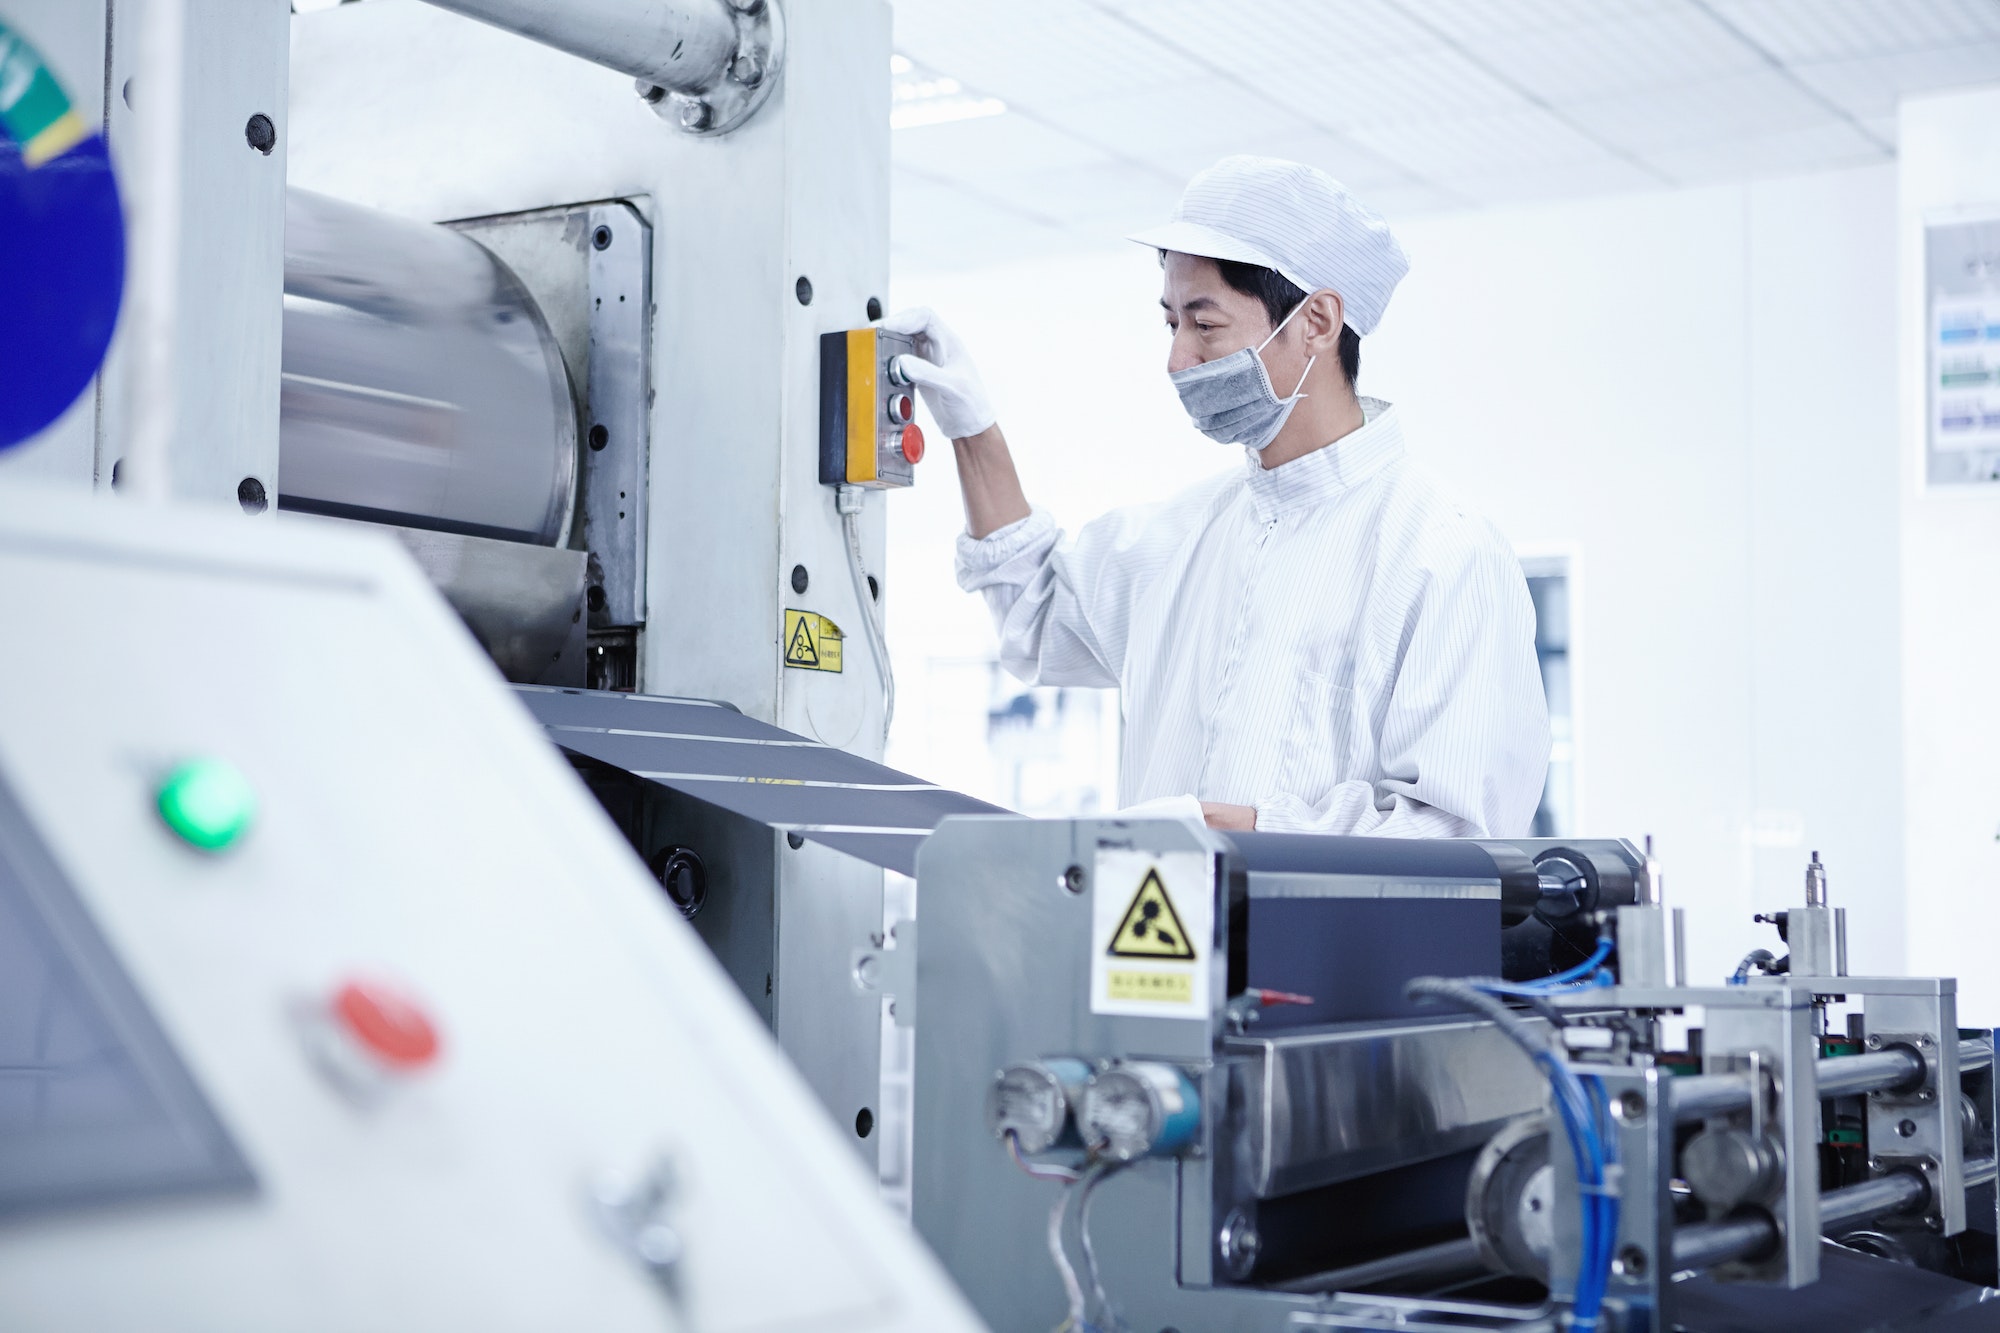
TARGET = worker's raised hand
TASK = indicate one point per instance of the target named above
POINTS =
(943, 373)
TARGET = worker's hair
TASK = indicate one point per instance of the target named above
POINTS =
(1280, 296)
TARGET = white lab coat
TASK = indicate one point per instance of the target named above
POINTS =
(1332, 641)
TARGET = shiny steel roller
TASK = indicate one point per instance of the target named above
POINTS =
(422, 386)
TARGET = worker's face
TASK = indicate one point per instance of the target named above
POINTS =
(1210, 319)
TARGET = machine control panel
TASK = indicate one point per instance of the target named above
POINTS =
(868, 433)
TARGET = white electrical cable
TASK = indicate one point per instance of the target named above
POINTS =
(848, 501)
(1071, 1287)
(1097, 1176)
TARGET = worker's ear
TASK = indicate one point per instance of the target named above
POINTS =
(1322, 317)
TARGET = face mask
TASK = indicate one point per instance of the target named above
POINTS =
(1231, 399)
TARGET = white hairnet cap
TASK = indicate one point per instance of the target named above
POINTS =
(1295, 219)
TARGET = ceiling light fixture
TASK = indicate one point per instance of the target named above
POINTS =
(922, 97)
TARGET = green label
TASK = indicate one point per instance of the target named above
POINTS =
(33, 110)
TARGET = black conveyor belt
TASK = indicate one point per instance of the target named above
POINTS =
(715, 754)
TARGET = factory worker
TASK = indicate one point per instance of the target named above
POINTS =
(1316, 639)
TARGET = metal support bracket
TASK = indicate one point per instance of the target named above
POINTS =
(890, 970)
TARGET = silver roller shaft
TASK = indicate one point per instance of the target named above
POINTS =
(422, 386)
(1699, 1096)
(1706, 1244)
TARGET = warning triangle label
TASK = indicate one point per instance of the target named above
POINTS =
(799, 649)
(1150, 927)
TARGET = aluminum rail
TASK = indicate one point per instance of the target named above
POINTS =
(1698, 1096)
(1705, 1244)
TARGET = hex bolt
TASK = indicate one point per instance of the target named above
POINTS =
(696, 114)
(652, 94)
(747, 69)
(751, 8)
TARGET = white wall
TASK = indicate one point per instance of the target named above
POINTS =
(1950, 158)
(1695, 389)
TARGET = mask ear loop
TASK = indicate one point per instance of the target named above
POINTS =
(1295, 394)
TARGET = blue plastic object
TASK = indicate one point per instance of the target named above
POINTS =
(62, 245)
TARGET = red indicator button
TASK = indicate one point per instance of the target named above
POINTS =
(901, 409)
(913, 444)
(386, 1024)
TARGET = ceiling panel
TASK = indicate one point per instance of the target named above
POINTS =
(1832, 144)
(1807, 30)
(1870, 86)
(1478, 18)
(1601, 174)
(1035, 51)
(1375, 90)
(1420, 106)
(971, 148)
(1340, 157)
(1108, 200)
(1440, 149)
(1743, 105)
(1261, 37)
(1586, 60)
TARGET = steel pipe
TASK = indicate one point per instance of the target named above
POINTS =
(1699, 1096)
(1848, 1075)
(1433, 1263)
(1897, 1192)
(684, 46)
(1706, 1244)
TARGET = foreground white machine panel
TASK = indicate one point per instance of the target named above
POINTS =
(329, 999)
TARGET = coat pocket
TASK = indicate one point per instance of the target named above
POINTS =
(1315, 751)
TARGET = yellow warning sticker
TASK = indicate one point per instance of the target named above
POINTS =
(1150, 928)
(1152, 932)
(812, 642)
(1159, 987)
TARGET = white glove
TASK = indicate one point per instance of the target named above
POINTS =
(949, 382)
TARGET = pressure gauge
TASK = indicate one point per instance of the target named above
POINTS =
(1033, 1101)
(1139, 1109)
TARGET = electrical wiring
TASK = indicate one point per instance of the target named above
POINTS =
(1574, 974)
(1039, 1172)
(1582, 1119)
(1072, 1289)
(1096, 1176)
(848, 502)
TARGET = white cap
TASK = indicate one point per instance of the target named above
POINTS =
(1293, 218)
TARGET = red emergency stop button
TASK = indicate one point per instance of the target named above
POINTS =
(913, 444)
(386, 1024)
(901, 409)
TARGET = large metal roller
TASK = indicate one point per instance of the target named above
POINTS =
(422, 387)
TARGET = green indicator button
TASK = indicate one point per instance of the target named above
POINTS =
(208, 802)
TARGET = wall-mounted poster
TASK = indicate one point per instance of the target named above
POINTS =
(1962, 351)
